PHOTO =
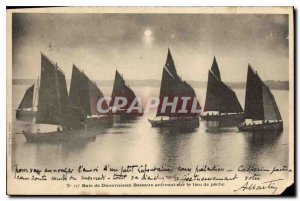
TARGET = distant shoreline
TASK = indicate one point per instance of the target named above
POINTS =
(275, 85)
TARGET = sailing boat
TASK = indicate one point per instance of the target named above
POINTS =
(56, 117)
(120, 89)
(85, 94)
(221, 103)
(172, 86)
(260, 106)
(27, 108)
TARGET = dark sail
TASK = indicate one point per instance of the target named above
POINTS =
(84, 93)
(215, 69)
(271, 111)
(53, 95)
(254, 108)
(27, 101)
(219, 97)
(120, 89)
(172, 86)
(95, 94)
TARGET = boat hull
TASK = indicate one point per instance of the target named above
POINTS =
(105, 121)
(273, 126)
(61, 136)
(226, 120)
(176, 123)
(120, 118)
(229, 117)
(24, 115)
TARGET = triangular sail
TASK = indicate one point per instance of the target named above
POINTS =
(53, 95)
(27, 101)
(254, 108)
(120, 89)
(84, 93)
(260, 103)
(95, 95)
(220, 97)
(271, 111)
(79, 91)
(172, 86)
(215, 69)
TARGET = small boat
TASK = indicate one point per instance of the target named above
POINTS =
(221, 103)
(85, 94)
(260, 106)
(56, 118)
(172, 86)
(132, 109)
(27, 109)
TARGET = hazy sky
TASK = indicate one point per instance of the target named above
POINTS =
(136, 44)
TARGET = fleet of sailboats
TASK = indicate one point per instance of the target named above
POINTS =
(57, 114)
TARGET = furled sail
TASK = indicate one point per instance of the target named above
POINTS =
(53, 95)
(220, 97)
(84, 93)
(259, 103)
(120, 89)
(172, 86)
(27, 101)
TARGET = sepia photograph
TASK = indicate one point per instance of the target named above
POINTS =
(150, 100)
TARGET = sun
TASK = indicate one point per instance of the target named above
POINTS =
(148, 33)
(148, 37)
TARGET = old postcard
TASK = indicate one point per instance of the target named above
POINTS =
(150, 101)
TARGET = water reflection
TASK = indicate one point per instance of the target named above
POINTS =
(174, 149)
(259, 144)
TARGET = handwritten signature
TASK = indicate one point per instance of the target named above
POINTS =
(262, 186)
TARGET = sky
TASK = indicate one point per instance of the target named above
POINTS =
(137, 44)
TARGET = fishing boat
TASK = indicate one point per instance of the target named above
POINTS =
(172, 86)
(85, 95)
(27, 109)
(133, 107)
(221, 103)
(261, 111)
(56, 118)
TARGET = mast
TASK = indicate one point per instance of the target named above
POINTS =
(172, 86)
(36, 93)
